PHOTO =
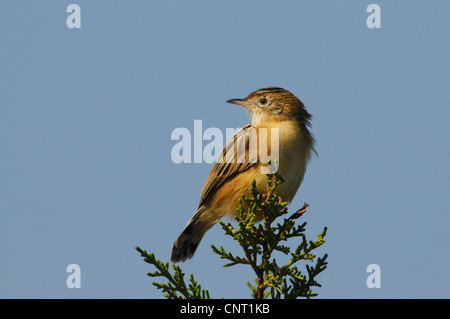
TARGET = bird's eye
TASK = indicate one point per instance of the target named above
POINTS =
(263, 101)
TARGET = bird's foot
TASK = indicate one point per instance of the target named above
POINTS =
(264, 198)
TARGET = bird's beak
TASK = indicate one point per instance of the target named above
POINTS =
(242, 102)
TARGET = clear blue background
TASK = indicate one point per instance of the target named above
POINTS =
(86, 117)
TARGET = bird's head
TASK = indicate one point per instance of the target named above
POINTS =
(273, 104)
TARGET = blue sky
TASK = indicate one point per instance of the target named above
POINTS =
(86, 117)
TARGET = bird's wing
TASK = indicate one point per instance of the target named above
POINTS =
(232, 162)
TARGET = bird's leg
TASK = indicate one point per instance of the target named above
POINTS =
(264, 198)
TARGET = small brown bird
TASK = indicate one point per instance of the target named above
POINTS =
(271, 107)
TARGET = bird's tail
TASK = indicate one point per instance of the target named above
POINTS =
(187, 242)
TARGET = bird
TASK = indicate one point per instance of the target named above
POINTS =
(230, 177)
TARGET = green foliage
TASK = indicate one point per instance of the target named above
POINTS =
(259, 242)
(176, 283)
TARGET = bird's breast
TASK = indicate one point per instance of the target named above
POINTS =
(294, 150)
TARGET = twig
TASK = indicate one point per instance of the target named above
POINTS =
(299, 212)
